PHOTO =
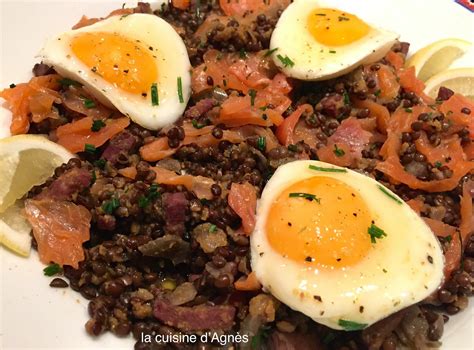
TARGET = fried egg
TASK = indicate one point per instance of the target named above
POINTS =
(137, 63)
(341, 248)
(313, 41)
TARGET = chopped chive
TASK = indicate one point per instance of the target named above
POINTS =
(347, 99)
(143, 202)
(97, 125)
(90, 148)
(438, 164)
(100, 163)
(155, 101)
(342, 18)
(351, 326)
(109, 206)
(375, 232)
(243, 53)
(252, 94)
(52, 269)
(94, 177)
(197, 125)
(12, 86)
(384, 190)
(65, 82)
(408, 110)
(332, 51)
(308, 196)
(212, 228)
(180, 90)
(261, 143)
(321, 14)
(286, 61)
(377, 93)
(338, 151)
(448, 239)
(88, 103)
(329, 170)
(270, 52)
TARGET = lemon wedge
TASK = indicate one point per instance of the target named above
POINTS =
(26, 161)
(15, 229)
(437, 57)
(460, 80)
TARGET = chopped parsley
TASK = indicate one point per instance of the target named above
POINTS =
(308, 196)
(375, 233)
(90, 148)
(100, 163)
(384, 190)
(252, 94)
(328, 170)
(270, 52)
(261, 143)
(180, 90)
(212, 228)
(243, 54)
(97, 125)
(338, 151)
(286, 61)
(88, 103)
(52, 269)
(65, 82)
(351, 326)
(438, 164)
(155, 101)
(377, 93)
(259, 339)
(448, 239)
(109, 206)
(408, 110)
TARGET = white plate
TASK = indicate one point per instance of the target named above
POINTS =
(35, 316)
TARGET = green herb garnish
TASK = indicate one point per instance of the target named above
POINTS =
(155, 101)
(65, 82)
(90, 148)
(97, 125)
(180, 90)
(88, 103)
(351, 326)
(100, 163)
(377, 93)
(438, 164)
(286, 61)
(384, 190)
(261, 143)
(143, 202)
(109, 206)
(308, 196)
(270, 52)
(243, 54)
(252, 94)
(375, 232)
(347, 99)
(153, 193)
(408, 110)
(259, 339)
(52, 269)
(332, 51)
(212, 228)
(328, 170)
(197, 125)
(338, 151)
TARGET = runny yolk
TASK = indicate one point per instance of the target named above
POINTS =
(123, 62)
(336, 28)
(329, 231)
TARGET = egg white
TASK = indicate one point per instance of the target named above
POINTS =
(171, 60)
(315, 61)
(395, 273)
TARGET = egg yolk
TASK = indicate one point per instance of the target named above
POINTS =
(333, 27)
(123, 62)
(320, 221)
